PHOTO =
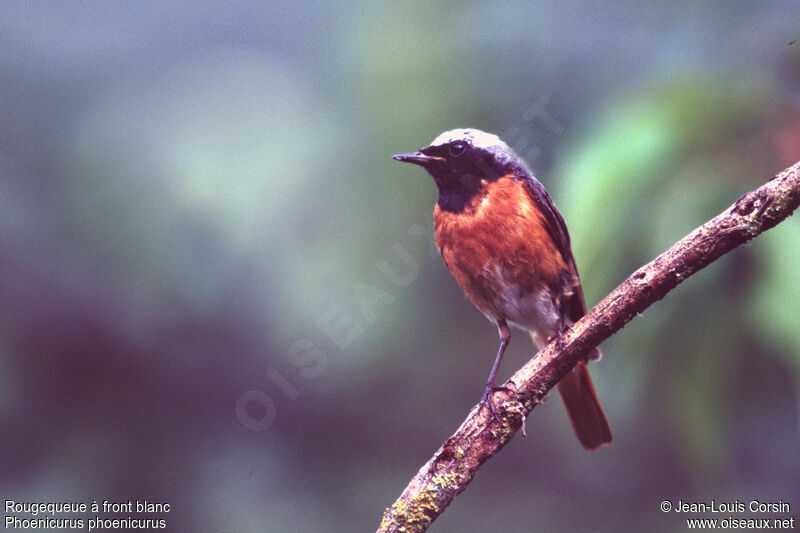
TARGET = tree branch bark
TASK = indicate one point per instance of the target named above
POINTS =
(480, 436)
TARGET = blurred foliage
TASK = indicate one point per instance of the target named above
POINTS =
(651, 151)
(774, 311)
(198, 201)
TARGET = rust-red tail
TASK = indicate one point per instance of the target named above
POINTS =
(584, 408)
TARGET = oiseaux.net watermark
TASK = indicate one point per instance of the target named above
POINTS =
(732, 514)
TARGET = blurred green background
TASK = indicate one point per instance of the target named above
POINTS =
(219, 291)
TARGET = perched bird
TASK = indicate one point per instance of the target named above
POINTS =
(507, 245)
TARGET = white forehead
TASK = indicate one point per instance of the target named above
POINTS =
(477, 138)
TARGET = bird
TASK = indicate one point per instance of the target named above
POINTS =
(505, 242)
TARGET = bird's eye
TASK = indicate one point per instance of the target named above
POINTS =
(456, 149)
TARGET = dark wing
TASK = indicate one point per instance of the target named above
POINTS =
(574, 305)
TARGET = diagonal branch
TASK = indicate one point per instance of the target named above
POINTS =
(480, 436)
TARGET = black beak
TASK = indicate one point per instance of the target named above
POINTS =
(418, 159)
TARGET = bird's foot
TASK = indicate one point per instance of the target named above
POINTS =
(492, 387)
(558, 336)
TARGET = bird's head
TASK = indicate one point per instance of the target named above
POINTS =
(460, 160)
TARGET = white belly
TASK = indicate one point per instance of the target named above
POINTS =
(533, 311)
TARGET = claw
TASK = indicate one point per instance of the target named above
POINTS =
(487, 397)
(558, 336)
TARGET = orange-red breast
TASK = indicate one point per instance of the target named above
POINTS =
(507, 245)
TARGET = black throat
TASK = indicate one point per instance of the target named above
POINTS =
(455, 200)
(459, 184)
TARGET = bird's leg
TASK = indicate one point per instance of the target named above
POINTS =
(491, 386)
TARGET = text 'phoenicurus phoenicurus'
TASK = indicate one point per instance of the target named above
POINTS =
(507, 245)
